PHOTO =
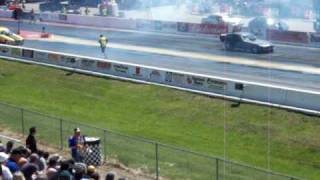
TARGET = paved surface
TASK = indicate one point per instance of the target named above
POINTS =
(193, 54)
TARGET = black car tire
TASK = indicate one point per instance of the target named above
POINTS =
(227, 46)
(255, 50)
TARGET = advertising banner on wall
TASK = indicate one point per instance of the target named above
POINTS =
(27, 53)
(120, 68)
(103, 65)
(216, 84)
(155, 75)
(196, 81)
(5, 51)
(40, 56)
(68, 60)
(87, 63)
(53, 57)
(15, 52)
(175, 78)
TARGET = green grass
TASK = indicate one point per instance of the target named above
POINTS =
(203, 124)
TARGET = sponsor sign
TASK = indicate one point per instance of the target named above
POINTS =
(174, 78)
(215, 84)
(103, 65)
(121, 68)
(63, 17)
(27, 53)
(196, 81)
(183, 27)
(287, 36)
(16, 52)
(137, 72)
(155, 75)
(38, 56)
(4, 50)
(208, 28)
(86, 63)
(53, 57)
(68, 60)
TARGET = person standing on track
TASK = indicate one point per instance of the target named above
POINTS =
(103, 40)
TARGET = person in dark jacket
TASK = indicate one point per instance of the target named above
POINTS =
(31, 142)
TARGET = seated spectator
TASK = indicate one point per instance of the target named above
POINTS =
(9, 147)
(11, 163)
(31, 168)
(24, 151)
(64, 173)
(46, 156)
(110, 176)
(5, 173)
(42, 162)
(22, 161)
(80, 170)
(18, 176)
(95, 176)
(2, 148)
(52, 168)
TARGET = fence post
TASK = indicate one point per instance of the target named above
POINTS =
(61, 135)
(217, 169)
(104, 145)
(157, 160)
(22, 121)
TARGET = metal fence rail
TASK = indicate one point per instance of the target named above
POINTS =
(152, 157)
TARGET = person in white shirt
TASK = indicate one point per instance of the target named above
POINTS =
(5, 173)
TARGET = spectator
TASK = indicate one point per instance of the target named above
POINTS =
(42, 162)
(80, 170)
(9, 147)
(46, 155)
(110, 176)
(91, 173)
(2, 148)
(5, 173)
(22, 161)
(18, 176)
(76, 144)
(64, 173)
(28, 170)
(52, 168)
(12, 162)
(31, 142)
(24, 151)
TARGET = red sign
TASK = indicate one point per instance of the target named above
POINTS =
(288, 36)
(208, 28)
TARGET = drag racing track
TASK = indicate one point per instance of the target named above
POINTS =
(291, 66)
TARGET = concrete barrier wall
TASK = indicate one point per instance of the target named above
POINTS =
(216, 86)
(288, 36)
(6, 14)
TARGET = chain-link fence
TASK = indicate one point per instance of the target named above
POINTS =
(152, 157)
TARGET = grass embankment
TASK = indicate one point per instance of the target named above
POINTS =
(249, 133)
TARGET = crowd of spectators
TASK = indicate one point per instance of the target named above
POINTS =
(30, 163)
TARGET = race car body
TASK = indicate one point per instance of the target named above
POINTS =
(8, 37)
(221, 19)
(245, 42)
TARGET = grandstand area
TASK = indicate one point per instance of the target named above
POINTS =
(268, 138)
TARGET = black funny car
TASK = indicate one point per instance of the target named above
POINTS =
(246, 42)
